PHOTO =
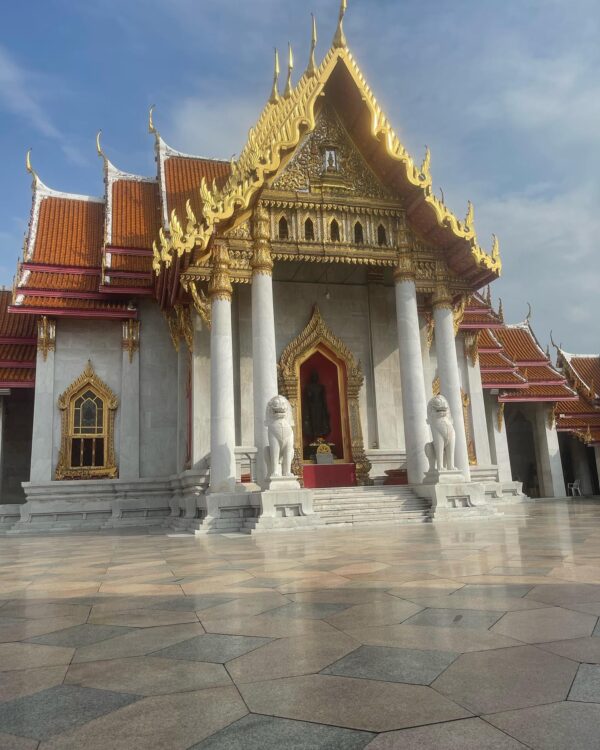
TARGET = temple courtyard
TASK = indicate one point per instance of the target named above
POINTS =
(466, 635)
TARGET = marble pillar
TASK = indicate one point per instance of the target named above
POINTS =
(550, 471)
(426, 331)
(581, 466)
(445, 347)
(475, 390)
(264, 351)
(129, 444)
(414, 405)
(200, 394)
(222, 407)
(498, 439)
(183, 406)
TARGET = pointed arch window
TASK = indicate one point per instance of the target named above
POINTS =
(334, 231)
(381, 236)
(359, 235)
(284, 230)
(87, 421)
(309, 230)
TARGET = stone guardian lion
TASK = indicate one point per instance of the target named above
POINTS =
(440, 451)
(279, 422)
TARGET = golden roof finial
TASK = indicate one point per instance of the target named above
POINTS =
(311, 70)
(495, 247)
(470, 217)
(30, 169)
(151, 128)
(339, 40)
(275, 92)
(529, 313)
(426, 166)
(101, 153)
(500, 310)
(288, 86)
(488, 296)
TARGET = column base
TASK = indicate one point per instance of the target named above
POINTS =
(451, 499)
(281, 509)
(445, 476)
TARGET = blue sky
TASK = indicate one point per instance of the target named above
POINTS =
(506, 93)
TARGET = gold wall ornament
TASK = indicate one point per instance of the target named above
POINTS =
(405, 270)
(466, 406)
(220, 282)
(201, 303)
(185, 324)
(130, 340)
(472, 347)
(98, 432)
(262, 262)
(46, 338)
(174, 330)
(551, 417)
(442, 297)
(436, 386)
(500, 415)
(459, 312)
(317, 335)
(430, 329)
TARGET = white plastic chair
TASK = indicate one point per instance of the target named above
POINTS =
(574, 488)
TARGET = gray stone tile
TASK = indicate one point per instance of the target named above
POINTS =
(491, 681)
(309, 611)
(466, 734)
(502, 590)
(58, 709)
(559, 726)
(548, 624)
(586, 686)
(270, 733)
(212, 648)
(393, 664)
(585, 650)
(455, 618)
(597, 629)
(11, 742)
(81, 635)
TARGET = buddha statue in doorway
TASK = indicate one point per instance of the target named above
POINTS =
(315, 422)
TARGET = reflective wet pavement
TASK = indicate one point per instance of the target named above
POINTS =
(478, 634)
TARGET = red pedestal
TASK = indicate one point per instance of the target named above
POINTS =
(333, 475)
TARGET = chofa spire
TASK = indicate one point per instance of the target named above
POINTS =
(311, 70)
(288, 85)
(339, 40)
(274, 98)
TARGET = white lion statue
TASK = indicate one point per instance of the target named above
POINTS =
(279, 421)
(440, 451)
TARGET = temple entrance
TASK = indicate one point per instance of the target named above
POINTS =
(322, 380)
(521, 449)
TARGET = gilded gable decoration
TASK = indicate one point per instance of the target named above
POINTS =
(46, 339)
(87, 429)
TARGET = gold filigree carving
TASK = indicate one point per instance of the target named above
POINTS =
(404, 271)
(472, 347)
(551, 417)
(185, 324)
(466, 403)
(201, 302)
(220, 281)
(318, 333)
(88, 380)
(459, 313)
(500, 415)
(130, 341)
(442, 297)
(46, 339)
(429, 329)
(436, 386)
(262, 262)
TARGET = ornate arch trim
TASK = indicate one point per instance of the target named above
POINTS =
(318, 334)
(87, 380)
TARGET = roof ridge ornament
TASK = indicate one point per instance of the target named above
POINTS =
(151, 128)
(288, 86)
(31, 170)
(99, 148)
(339, 40)
(311, 69)
(274, 98)
(470, 217)
(529, 313)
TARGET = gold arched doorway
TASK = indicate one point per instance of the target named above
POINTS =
(317, 340)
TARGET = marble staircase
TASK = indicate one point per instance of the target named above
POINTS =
(347, 506)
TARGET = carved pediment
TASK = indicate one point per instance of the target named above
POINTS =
(327, 159)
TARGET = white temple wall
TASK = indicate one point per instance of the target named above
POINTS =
(158, 394)
(387, 432)
(346, 313)
(76, 342)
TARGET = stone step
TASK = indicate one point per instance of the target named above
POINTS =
(362, 520)
(349, 506)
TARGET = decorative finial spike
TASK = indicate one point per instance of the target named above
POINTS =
(311, 70)
(495, 247)
(529, 313)
(426, 166)
(275, 92)
(288, 86)
(488, 297)
(339, 40)
(553, 342)
(500, 310)
(470, 215)
(30, 169)
(151, 128)
(548, 351)
(101, 153)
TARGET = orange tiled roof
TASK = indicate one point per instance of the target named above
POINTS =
(479, 314)
(13, 377)
(495, 361)
(135, 214)
(535, 392)
(69, 232)
(520, 344)
(14, 326)
(183, 176)
(502, 380)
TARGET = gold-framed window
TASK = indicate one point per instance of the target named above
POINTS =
(87, 429)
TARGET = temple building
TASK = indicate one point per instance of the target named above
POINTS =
(150, 328)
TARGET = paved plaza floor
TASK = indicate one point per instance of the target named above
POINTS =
(468, 636)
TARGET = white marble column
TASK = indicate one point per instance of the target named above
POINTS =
(44, 408)
(414, 405)
(426, 330)
(497, 438)
(264, 352)
(550, 471)
(200, 394)
(129, 444)
(183, 406)
(222, 408)
(475, 389)
(445, 348)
